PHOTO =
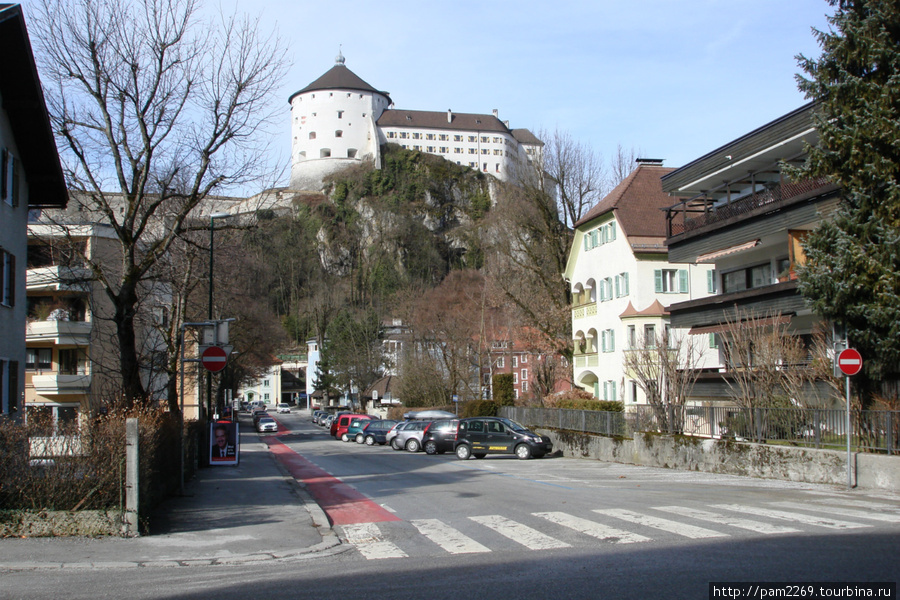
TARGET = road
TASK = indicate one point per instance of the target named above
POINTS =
(418, 526)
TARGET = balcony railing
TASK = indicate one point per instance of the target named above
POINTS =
(702, 211)
(66, 333)
(57, 278)
(55, 384)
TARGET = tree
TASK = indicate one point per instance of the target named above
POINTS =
(154, 110)
(355, 350)
(665, 368)
(852, 274)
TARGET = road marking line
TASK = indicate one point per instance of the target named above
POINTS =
(718, 519)
(521, 534)
(858, 504)
(790, 516)
(366, 537)
(447, 538)
(592, 528)
(839, 510)
(689, 531)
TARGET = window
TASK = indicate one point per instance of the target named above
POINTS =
(485, 139)
(524, 376)
(38, 359)
(472, 139)
(429, 136)
(608, 340)
(711, 286)
(72, 361)
(515, 362)
(602, 235)
(650, 336)
(500, 363)
(417, 136)
(340, 114)
(621, 285)
(671, 281)
(713, 342)
(391, 135)
(632, 337)
(443, 137)
(609, 390)
(457, 138)
(325, 153)
(524, 359)
(7, 278)
(524, 386)
(265, 396)
(515, 378)
(338, 133)
(265, 383)
(473, 151)
(606, 289)
(634, 391)
(404, 135)
(745, 279)
(8, 180)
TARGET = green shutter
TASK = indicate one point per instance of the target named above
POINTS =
(711, 282)
(612, 340)
(657, 279)
(683, 281)
(626, 290)
(612, 231)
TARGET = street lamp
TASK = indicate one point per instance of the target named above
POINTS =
(209, 315)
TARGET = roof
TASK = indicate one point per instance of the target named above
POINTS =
(23, 100)
(524, 136)
(440, 120)
(339, 77)
(382, 386)
(638, 203)
(656, 309)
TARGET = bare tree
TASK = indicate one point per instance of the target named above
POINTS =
(154, 110)
(666, 368)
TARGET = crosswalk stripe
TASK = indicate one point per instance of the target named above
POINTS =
(689, 531)
(521, 534)
(859, 504)
(447, 538)
(719, 519)
(592, 528)
(367, 539)
(839, 510)
(791, 516)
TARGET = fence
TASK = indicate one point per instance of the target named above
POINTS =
(870, 430)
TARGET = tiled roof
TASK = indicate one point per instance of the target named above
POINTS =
(438, 120)
(524, 136)
(638, 203)
(339, 77)
(656, 309)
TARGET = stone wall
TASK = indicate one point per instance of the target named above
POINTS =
(766, 461)
(47, 523)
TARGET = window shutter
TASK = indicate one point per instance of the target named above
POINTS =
(683, 281)
(587, 241)
(657, 279)
(612, 389)
(612, 340)
(712, 341)
(711, 282)
(618, 286)
(612, 231)
(594, 243)
(625, 279)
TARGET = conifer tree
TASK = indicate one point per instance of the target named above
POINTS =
(852, 274)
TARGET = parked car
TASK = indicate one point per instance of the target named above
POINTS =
(284, 408)
(259, 414)
(314, 416)
(339, 430)
(327, 420)
(410, 437)
(332, 429)
(357, 423)
(479, 436)
(266, 424)
(393, 431)
(440, 436)
(375, 432)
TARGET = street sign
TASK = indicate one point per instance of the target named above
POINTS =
(850, 362)
(214, 358)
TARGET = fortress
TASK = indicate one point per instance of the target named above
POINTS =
(339, 119)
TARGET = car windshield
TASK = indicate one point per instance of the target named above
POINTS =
(515, 426)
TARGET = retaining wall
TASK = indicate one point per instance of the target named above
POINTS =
(788, 463)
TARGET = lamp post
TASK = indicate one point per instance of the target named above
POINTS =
(209, 315)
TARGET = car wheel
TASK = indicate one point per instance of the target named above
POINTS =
(345, 437)
(523, 451)
(360, 438)
(370, 440)
(430, 447)
(395, 444)
(463, 452)
(412, 445)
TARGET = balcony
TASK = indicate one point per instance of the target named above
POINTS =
(57, 278)
(59, 384)
(61, 333)
(583, 361)
(704, 212)
(585, 310)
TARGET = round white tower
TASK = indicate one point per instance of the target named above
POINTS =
(333, 125)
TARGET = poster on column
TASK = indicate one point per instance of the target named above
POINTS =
(224, 448)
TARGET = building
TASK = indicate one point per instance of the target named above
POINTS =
(622, 278)
(339, 120)
(742, 217)
(30, 177)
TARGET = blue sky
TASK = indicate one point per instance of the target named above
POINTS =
(674, 79)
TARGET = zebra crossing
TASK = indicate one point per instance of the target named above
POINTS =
(556, 530)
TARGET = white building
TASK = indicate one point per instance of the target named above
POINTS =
(622, 281)
(266, 387)
(339, 120)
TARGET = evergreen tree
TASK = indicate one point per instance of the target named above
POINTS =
(852, 274)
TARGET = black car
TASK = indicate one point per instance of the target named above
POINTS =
(440, 436)
(375, 431)
(480, 436)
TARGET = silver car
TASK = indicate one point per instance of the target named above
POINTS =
(410, 437)
(266, 424)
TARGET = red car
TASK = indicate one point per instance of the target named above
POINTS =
(342, 422)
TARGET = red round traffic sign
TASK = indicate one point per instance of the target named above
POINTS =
(214, 359)
(850, 361)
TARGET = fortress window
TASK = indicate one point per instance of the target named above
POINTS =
(338, 133)
(457, 138)
(351, 152)
(312, 135)
(340, 114)
(473, 138)
(325, 153)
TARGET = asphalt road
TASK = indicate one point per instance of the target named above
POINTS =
(436, 527)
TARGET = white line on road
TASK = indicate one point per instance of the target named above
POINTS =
(447, 538)
(521, 534)
(592, 528)
(839, 510)
(367, 539)
(689, 531)
(790, 516)
(719, 519)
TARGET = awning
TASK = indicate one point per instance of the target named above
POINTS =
(724, 327)
(726, 251)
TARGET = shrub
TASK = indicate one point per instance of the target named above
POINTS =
(479, 408)
(504, 390)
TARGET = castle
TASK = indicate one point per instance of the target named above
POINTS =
(339, 120)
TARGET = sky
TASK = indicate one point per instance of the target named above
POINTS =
(671, 79)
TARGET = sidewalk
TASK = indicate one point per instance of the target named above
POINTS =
(229, 515)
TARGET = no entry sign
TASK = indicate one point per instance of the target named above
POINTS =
(850, 362)
(214, 358)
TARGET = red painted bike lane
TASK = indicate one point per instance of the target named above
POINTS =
(343, 504)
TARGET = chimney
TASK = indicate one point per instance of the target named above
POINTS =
(496, 114)
(449, 116)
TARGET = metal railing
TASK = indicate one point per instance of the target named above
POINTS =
(870, 430)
